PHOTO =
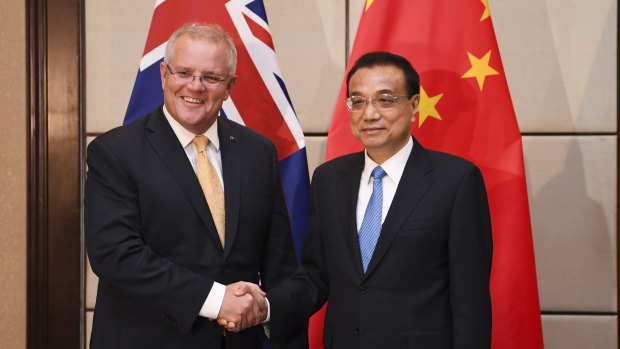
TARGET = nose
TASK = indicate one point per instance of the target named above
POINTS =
(196, 83)
(371, 112)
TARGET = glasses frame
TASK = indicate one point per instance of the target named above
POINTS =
(349, 103)
(205, 79)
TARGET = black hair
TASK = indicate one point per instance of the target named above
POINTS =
(371, 59)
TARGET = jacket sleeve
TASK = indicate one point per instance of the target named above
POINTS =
(278, 263)
(305, 292)
(470, 253)
(278, 260)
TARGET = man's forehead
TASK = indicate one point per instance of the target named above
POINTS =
(188, 47)
(375, 92)
(189, 40)
(377, 79)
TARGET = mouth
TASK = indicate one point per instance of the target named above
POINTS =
(372, 130)
(192, 100)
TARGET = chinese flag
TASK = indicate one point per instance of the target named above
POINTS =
(466, 110)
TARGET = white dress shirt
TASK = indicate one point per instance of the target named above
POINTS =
(213, 303)
(394, 167)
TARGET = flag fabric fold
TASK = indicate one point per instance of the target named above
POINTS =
(466, 110)
(259, 99)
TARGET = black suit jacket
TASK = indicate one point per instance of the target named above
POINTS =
(427, 284)
(152, 241)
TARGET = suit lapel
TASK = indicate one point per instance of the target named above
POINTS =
(414, 182)
(161, 136)
(231, 172)
(349, 191)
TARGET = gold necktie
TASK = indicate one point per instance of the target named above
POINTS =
(211, 186)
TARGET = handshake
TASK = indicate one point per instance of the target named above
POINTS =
(244, 306)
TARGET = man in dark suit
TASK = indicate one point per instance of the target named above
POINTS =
(399, 238)
(180, 204)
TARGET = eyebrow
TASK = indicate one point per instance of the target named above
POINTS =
(182, 68)
(358, 93)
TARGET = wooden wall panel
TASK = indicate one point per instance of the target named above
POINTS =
(55, 259)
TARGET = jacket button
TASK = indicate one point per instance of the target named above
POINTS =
(363, 290)
(357, 330)
(226, 271)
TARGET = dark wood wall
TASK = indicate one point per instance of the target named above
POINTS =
(55, 145)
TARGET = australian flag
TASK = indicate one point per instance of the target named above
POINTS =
(259, 99)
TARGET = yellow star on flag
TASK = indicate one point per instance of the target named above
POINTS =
(368, 3)
(480, 68)
(486, 14)
(427, 106)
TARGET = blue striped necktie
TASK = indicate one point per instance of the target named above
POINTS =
(371, 225)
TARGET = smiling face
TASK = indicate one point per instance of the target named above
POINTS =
(383, 132)
(196, 105)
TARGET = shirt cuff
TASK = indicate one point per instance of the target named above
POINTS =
(211, 307)
(265, 323)
(268, 318)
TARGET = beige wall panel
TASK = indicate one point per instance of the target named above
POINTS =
(356, 7)
(579, 332)
(89, 327)
(315, 149)
(309, 40)
(561, 65)
(572, 194)
(13, 171)
(92, 280)
(116, 32)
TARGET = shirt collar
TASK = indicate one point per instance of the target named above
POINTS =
(393, 167)
(186, 137)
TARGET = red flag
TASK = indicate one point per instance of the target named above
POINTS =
(466, 110)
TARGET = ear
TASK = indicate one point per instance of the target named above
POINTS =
(163, 72)
(415, 104)
(231, 82)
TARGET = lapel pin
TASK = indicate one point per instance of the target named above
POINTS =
(232, 138)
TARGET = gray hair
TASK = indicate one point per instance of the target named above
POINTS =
(212, 32)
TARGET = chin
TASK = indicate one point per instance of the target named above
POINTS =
(373, 141)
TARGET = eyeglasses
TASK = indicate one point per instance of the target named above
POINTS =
(185, 77)
(382, 102)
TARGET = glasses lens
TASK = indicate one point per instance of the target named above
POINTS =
(183, 77)
(357, 103)
(385, 101)
(212, 79)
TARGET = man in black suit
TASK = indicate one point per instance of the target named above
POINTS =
(399, 238)
(163, 246)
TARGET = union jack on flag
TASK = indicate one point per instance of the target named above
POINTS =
(259, 99)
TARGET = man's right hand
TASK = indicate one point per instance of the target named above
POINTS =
(244, 306)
